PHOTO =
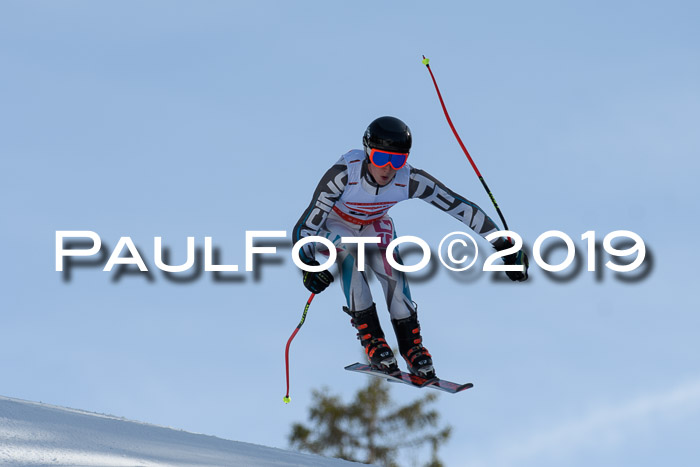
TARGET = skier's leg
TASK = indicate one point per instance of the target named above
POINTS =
(360, 305)
(394, 283)
(354, 283)
(403, 310)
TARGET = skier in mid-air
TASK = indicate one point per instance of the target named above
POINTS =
(352, 200)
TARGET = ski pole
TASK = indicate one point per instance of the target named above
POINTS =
(286, 398)
(426, 62)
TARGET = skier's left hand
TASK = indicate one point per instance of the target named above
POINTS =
(518, 259)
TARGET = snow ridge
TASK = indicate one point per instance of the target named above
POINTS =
(33, 433)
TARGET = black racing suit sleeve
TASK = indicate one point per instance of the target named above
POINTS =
(327, 193)
(424, 186)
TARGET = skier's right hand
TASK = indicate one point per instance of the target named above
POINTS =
(316, 282)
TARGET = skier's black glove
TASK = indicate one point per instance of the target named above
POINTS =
(316, 282)
(518, 259)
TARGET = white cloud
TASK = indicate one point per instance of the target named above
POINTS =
(604, 426)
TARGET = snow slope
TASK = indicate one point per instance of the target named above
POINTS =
(40, 434)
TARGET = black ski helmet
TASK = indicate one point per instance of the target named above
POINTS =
(389, 134)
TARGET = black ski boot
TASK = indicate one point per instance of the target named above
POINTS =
(417, 357)
(371, 337)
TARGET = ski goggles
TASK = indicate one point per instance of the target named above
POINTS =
(383, 158)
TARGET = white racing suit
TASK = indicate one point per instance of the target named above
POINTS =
(348, 202)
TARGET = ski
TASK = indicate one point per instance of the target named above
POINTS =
(410, 379)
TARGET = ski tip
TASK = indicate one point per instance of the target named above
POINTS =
(464, 386)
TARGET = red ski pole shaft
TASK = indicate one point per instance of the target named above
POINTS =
(461, 144)
(287, 399)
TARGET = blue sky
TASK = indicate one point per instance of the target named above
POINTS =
(209, 119)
